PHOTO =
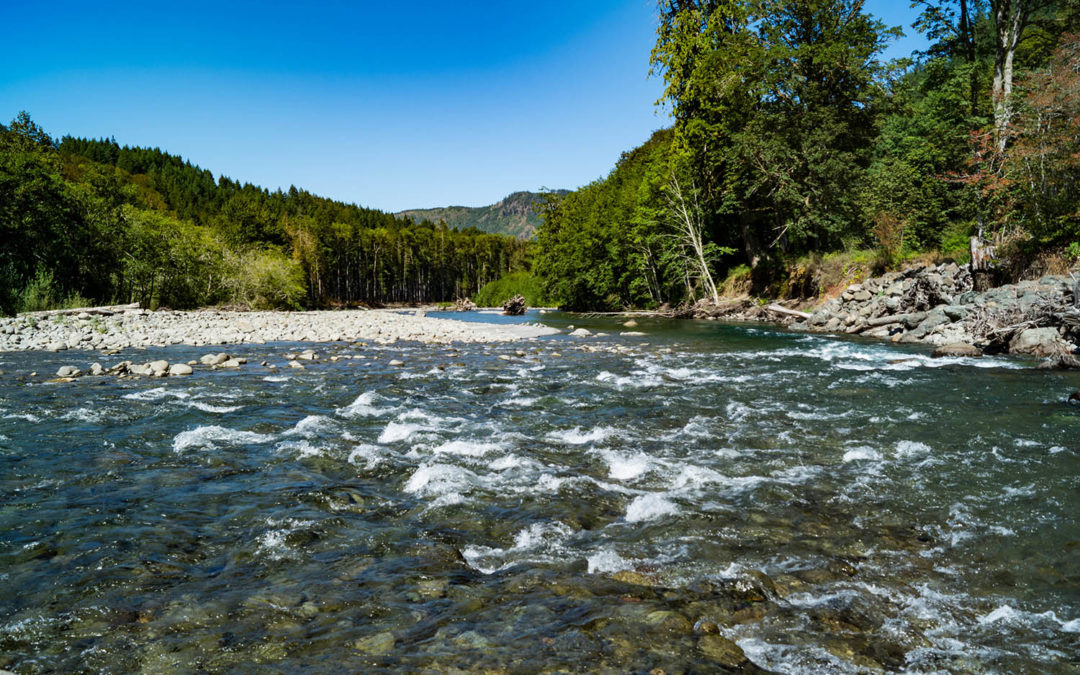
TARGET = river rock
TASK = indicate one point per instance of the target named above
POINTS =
(376, 645)
(722, 650)
(957, 349)
(296, 364)
(396, 362)
(1037, 342)
(159, 366)
(214, 359)
(1061, 362)
(233, 363)
(581, 332)
(68, 371)
(180, 369)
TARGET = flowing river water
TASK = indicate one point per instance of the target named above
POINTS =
(614, 504)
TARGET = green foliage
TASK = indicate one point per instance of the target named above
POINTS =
(264, 279)
(136, 224)
(43, 293)
(495, 293)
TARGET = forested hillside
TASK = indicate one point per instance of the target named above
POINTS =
(794, 140)
(517, 215)
(92, 221)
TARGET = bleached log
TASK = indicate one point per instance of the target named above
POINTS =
(107, 310)
(789, 312)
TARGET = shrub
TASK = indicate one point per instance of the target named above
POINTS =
(264, 279)
(495, 293)
(43, 293)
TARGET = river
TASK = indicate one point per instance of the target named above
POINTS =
(612, 504)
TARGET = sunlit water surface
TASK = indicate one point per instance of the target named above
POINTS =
(483, 513)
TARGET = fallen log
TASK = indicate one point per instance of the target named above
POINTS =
(107, 310)
(789, 312)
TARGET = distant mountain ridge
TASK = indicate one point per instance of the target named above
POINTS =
(516, 215)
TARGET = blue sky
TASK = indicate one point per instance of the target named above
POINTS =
(388, 105)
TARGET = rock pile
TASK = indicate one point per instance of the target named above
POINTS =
(937, 305)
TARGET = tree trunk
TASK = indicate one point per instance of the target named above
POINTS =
(1010, 17)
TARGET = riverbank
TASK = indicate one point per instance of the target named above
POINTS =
(935, 305)
(143, 328)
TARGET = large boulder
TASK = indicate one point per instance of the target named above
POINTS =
(1037, 342)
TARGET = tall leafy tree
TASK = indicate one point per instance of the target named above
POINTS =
(776, 103)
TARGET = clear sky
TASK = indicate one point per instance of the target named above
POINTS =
(388, 105)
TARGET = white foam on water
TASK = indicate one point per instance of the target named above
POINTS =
(694, 476)
(576, 436)
(1008, 615)
(520, 402)
(275, 378)
(29, 417)
(737, 411)
(364, 406)
(1010, 492)
(371, 454)
(511, 461)
(862, 452)
(637, 379)
(437, 480)
(1056, 449)
(156, 394)
(911, 448)
(312, 426)
(539, 542)
(625, 467)
(210, 436)
(607, 560)
(396, 431)
(651, 506)
(303, 449)
(464, 448)
(86, 415)
(207, 407)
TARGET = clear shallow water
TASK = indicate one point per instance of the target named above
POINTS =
(586, 511)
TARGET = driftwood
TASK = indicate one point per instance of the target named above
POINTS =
(789, 312)
(108, 310)
(515, 306)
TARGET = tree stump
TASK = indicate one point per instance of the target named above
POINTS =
(515, 306)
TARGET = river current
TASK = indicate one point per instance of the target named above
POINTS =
(613, 504)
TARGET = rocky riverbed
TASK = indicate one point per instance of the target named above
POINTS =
(142, 328)
(938, 305)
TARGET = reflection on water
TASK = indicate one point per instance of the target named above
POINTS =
(686, 500)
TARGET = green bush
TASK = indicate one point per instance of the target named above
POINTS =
(43, 293)
(264, 279)
(495, 293)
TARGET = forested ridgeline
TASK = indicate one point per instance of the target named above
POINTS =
(794, 142)
(85, 221)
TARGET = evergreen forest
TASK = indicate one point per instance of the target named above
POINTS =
(90, 221)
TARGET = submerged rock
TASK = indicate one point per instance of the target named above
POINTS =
(956, 349)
